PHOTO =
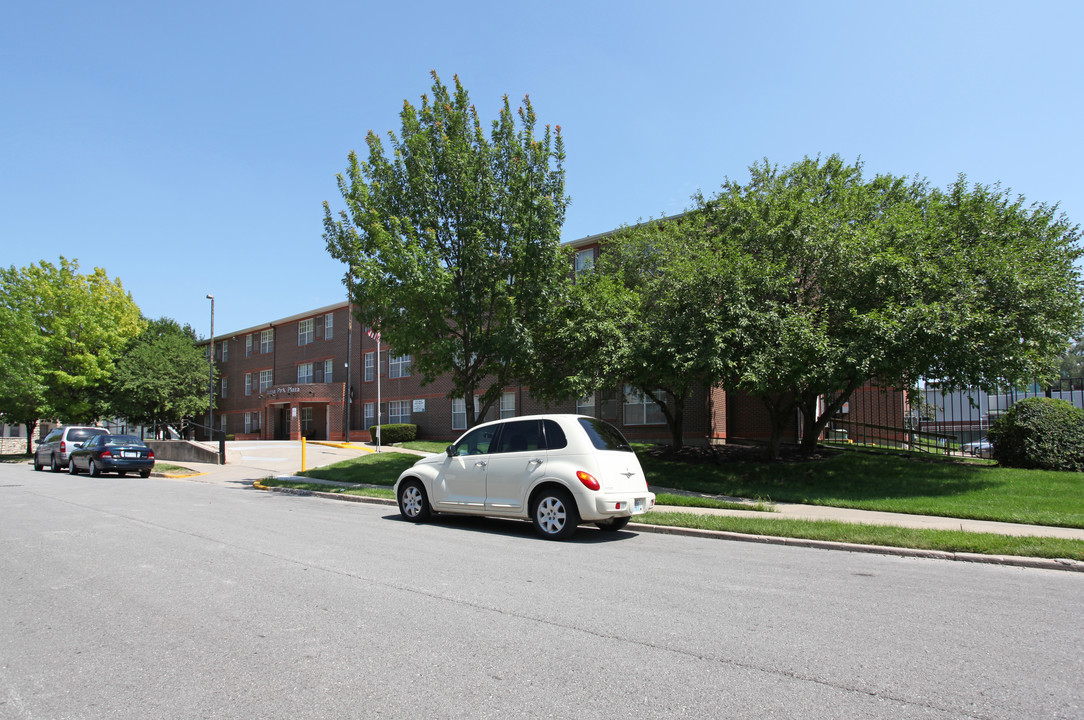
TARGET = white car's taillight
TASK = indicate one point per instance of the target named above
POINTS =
(588, 480)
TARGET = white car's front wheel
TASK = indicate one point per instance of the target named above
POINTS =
(413, 502)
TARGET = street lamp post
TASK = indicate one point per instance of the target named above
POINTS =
(211, 386)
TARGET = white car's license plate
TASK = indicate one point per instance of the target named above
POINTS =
(638, 505)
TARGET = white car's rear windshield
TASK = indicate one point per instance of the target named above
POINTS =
(604, 436)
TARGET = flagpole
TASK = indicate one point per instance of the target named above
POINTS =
(378, 392)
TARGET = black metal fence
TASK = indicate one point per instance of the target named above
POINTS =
(939, 421)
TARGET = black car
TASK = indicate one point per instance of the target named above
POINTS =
(121, 454)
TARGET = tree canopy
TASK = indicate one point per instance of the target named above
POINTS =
(162, 376)
(452, 239)
(62, 334)
(809, 281)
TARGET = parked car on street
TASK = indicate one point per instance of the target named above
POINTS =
(121, 454)
(53, 450)
(556, 470)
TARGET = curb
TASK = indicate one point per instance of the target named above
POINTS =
(1004, 560)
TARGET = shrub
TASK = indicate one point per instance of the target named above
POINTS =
(398, 433)
(1040, 433)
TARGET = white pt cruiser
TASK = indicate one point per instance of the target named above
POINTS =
(557, 470)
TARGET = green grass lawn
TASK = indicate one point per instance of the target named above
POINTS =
(892, 483)
(381, 468)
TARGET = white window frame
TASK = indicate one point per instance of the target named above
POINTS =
(399, 411)
(399, 366)
(225, 351)
(222, 392)
(368, 415)
(586, 405)
(329, 371)
(370, 367)
(585, 261)
(459, 414)
(306, 419)
(248, 345)
(639, 409)
(329, 326)
(248, 385)
(508, 405)
(305, 373)
(306, 332)
(267, 379)
(267, 341)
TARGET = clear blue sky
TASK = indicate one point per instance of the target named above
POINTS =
(187, 147)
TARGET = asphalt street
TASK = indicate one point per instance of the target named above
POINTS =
(159, 598)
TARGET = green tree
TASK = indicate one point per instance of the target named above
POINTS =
(162, 376)
(22, 389)
(659, 313)
(833, 302)
(76, 326)
(1071, 363)
(1004, 287)
(453, 240)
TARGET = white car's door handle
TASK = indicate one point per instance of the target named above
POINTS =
(480, 463)
(536, 461)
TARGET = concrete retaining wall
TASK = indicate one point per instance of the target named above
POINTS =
(184, 451)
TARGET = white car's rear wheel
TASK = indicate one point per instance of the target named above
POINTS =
(554, 514)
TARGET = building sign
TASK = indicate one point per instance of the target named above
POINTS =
(419, 405)
(283, 391)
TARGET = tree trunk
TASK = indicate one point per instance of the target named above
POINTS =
(30, 436)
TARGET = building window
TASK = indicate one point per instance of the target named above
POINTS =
(225, 351)
(639, 409)
(248, 383)
(304, 332)
(222, 393)
(329, 370)
(222, 423)
(585, 261)
(370, 366)
(508, 405)
(369, 419)
(252, 422)
(399, 411)
(265, 379)
(304, 373)
(586, 405)
(306, 420)
(267, 341)
(459, 414)
(248, 345)
(329, 326)
(399, 366)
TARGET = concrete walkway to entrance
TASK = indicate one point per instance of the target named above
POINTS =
(282, 459)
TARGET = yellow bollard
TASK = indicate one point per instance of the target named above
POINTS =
(302, 453)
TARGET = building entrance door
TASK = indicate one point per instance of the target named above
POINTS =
(282, 423)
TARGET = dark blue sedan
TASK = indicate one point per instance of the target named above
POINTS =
(121, 454)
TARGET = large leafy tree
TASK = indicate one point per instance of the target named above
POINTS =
(22, 388)
(658, 314)
(452, 240)
(76, 326)
(831, 303)
(1004, 286)
(162, 376)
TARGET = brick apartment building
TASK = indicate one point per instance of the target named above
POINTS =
(293, 377)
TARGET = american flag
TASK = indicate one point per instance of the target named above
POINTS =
(372, 333)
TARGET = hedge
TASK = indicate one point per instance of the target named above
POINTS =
(394, 433)
(1041, 433)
